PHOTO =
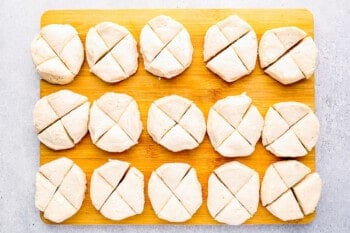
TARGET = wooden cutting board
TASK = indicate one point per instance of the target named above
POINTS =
(196, 83)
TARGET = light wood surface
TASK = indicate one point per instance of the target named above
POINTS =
(196, 83)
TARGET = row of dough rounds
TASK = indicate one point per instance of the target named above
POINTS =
(230, 50)
(289, 191)
(234, 124)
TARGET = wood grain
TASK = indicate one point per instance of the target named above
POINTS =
(196, 83)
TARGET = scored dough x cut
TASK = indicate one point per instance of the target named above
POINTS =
(117, 190)
(57, 53)
(233, 193)
(166, 47)
(60, 189)
(287, 54)
(115, 123)
(61, 119)
(176, 123)
(234, 126)
(175, 192)
(230, 48)
(291, 129)
(111, 52)
(289, 190)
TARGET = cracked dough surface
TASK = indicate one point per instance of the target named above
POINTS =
(287, 54)
(289, 190)
(61, 119)
(176, 123)
(230, 48)
(291, 129)
(57, 53)
(234, 126)
(117, 190)
(115, 123)
(111, 52)
(166, 47)
(175, 192)
(233, 193)
(60, 189)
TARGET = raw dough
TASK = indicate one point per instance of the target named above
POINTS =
(287, 54)
(117, 190)
(61, 119)
(176, 123)
(60, 189)
(289, 190)
(230, 48)
(166, 47)
(111, 52)
(234, 126)
(57, 53)
(115, 123)
(233, 193)
(291, 129)
(175, 192)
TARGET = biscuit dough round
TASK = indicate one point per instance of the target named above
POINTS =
(60, 189)
(117, 190)
(287, 54)
(291, 129)
(61, 119)
(289, 190)
(57, 53)
(176, 123)
(230, 48)
(166, 47)
(233, 193)
(234, 126)
(111, 52)
(115, 123)
(175, 192)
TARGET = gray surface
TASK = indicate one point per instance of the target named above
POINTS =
(20, 90)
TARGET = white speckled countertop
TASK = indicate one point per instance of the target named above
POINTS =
(19, 150)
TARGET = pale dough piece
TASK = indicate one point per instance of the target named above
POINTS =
(233, 214)
(275, 42)
(175, 192)
(291, 111)
(111, 52)
(289, 191)
(287, 54)
(115, 208)
(227, 65)
(218, 195)
(167, 170)
(57, 53)
(117, 190)
(291, 171)
(233, 193)
(272, 186)
(288, 145)
(291, 129)
(176, 123)
(274, 127)
(60, 189)
(234, 126)
(115, 123)
(285, 70)
(286, 207)
(44, 191)
(289, 36)
(311, 184)
(307, 64)
(61, 119)
(230, 48)
(166, 47)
